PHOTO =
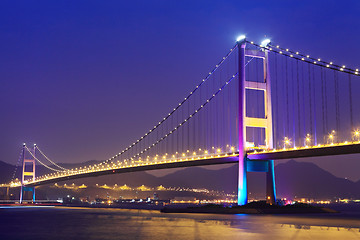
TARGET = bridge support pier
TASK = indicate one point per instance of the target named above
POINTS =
(266, 166)
(7, 193)
(27, 189)
(270, 183)
(242, 183)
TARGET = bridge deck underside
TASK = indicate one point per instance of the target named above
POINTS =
(307, 152)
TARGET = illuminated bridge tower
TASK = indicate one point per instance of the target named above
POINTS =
(28, 173)
(246, 165)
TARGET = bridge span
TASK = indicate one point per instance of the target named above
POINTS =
(253, 158)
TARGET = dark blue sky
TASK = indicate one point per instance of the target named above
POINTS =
(83, 79)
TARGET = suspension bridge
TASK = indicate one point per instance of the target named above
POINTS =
(239, 113)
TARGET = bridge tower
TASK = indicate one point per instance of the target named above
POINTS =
(28, 173)
(244, 164)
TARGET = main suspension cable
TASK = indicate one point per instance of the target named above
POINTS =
(185, 120)
(40, 161)
(49, 159)
(17, 165)
(190, 116)
(176, 108)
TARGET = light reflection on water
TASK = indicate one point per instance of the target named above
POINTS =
(82, 223)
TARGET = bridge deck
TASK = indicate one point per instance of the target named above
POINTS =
(325, 150)
(167, 165)
(315, 151)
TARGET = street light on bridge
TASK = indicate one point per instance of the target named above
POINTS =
(332, 136)
(308, 140)
(287, 142)
(356, 135)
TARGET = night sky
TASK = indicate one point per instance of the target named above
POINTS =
(83, 79)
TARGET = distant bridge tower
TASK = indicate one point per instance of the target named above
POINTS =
(244, 164)
(28, 173)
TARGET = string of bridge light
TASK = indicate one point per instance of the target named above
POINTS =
(16, 166)
(178, 126)
(330, 65)
(356, 134)
(68, 173)
(176, 108)
(190, 116)
(255, 152)
(90, 170)
(305, 58)
(103, 168)
(185, 120)
(49, 159)
(40, 161)
(196, 111)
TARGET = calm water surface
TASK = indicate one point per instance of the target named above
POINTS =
(83, 223)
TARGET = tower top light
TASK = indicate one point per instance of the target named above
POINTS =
(265, 42)
(240, 38)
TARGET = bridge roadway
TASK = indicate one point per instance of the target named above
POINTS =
(314, 151)
(304, 152)
(221, 159)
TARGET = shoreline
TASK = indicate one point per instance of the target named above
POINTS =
(258, 208)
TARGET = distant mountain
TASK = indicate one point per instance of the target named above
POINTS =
(197, 177)
(293, 179)
(7, 171)
(304, 179)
